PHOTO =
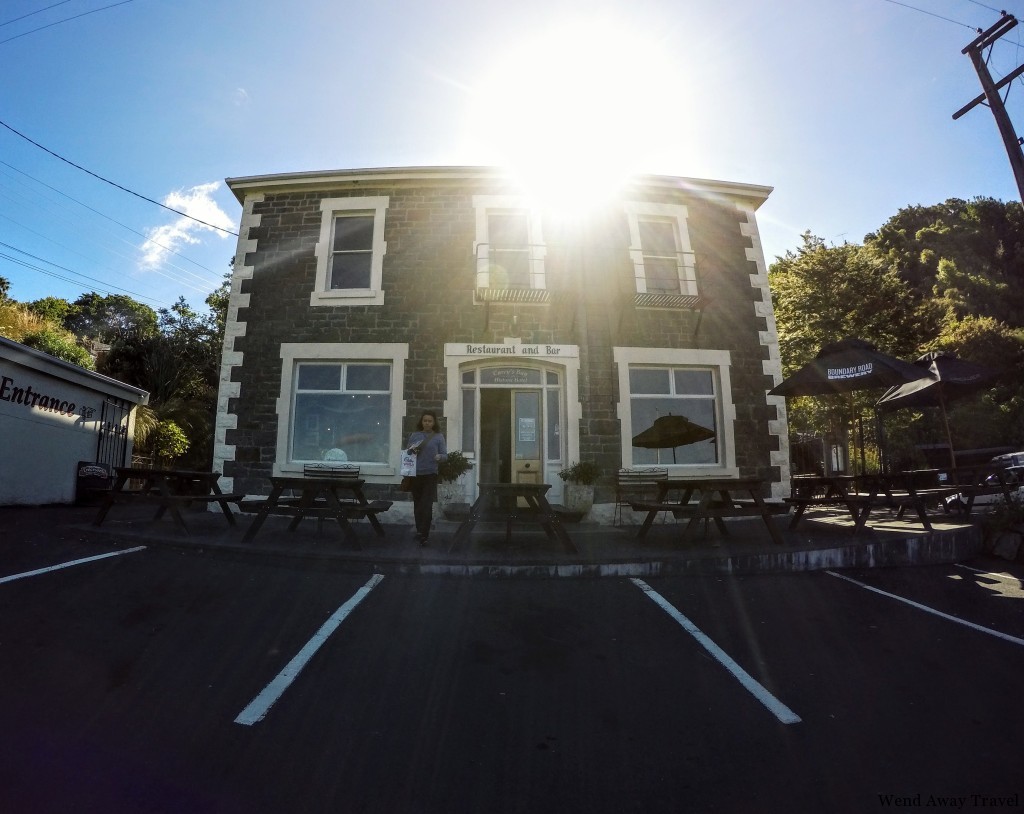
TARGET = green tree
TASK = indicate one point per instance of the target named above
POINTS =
(179, 366)
(5, 287)
(822, 294)
(110, 318)
(54, 309)
(968, 254)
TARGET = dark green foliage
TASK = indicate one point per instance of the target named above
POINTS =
(60, 344)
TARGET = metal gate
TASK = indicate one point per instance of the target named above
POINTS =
(112, 446)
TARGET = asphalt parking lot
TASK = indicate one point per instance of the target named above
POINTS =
(161, 680)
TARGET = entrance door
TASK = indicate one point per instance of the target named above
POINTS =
(526, 437)
(511, 432)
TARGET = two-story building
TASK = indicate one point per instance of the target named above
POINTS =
(361, 297)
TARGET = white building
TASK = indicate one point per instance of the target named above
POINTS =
(54, 416)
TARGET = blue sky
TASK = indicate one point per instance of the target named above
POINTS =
(843, 107)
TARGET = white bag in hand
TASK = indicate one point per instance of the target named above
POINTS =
(408, 464)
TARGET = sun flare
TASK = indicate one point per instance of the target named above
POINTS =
(572, 112)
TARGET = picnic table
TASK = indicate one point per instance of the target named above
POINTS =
(736, 497)
(510, 502)
(809, 491)
(170, 490)
(337, 498)
(862, 494)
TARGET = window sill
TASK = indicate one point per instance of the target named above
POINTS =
(346, 297)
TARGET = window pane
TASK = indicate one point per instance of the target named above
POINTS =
(507, 229)
(351, 270)
(509, 375)
(509, 269)
(358, 424)
(648, 380)
(469, 377)
(658, 237)
(699, 411)
(551, 377)
(353, 233)
(661, 275)
(319, 377)
(368, 377)
(694, 382)
(468, 420)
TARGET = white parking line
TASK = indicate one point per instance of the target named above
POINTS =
(774, 705)
(82, 561)
(1004, 636)
(261, 704)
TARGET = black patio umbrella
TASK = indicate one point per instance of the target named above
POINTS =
(844, 367)
(848, 365)
(671, 431)
(949, 378)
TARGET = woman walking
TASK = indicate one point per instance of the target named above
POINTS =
(429, 447)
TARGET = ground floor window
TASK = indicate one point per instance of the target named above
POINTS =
(678, 402)
(682, 392)
(340, 403)
(342, 412)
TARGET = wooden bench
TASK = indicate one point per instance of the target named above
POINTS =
(636, 485)
(290, 507)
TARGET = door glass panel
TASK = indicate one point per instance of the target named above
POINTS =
(554, 427)
(468, 420)
(527, 426)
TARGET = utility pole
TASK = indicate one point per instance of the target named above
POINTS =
(991, 94)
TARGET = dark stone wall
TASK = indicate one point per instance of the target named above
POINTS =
(429, 276)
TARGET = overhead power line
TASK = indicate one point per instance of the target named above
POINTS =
(29, 265)
(933, 14)
(114, 184)
(65, 20)
(33, 13)
(113, 220)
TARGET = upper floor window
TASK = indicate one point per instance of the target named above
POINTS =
(509, 246)
(663, 260)
(350, 252)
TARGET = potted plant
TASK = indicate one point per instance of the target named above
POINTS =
(579, 479)
(449, 473)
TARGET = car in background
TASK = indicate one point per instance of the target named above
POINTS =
(1013, 462)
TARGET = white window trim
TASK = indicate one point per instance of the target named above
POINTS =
(292, 352)
(331, 208)
(635, 211)
(720, 362)
(484, 205)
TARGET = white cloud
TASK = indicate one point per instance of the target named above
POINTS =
(196, 202)
(240, 97)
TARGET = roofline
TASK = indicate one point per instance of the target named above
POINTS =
(74, 373)
(293, 181)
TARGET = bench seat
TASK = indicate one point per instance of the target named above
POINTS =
(138, 496)
(290, 508)
(739, 508)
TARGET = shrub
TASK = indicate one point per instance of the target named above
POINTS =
(60, 344)
(454, 468)
(584, 472)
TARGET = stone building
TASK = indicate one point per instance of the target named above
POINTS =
(361, 297)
